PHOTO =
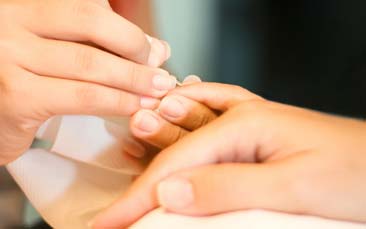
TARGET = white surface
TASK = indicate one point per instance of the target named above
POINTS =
(86, 171)
(239, 220)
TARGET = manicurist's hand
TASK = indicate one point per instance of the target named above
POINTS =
(71, 57)
(257, 154)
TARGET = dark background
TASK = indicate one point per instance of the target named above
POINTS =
(310, 53)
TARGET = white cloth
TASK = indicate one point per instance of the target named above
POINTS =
(85, 171)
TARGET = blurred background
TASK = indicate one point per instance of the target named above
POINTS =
(310, 53)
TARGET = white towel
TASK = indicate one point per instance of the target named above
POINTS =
(84, 172)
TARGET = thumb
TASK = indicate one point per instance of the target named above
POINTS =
(216, 96)
(202, 147)
(226, 187)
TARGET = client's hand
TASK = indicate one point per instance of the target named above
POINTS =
(258, 154)
(175, 117)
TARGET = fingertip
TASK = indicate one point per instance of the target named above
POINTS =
(160, 51)
(172, 107)
(149, 103)
(133, 148)
(144, 123)
(191, 79)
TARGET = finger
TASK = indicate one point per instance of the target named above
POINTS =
(185, 113)
(215, 95)
(222, 188)
(159, 53)
(192, 79)
(133, 147)
(85, 63)
(201, 147)
(54, 96)
(87, 21)
(102, 3)
(150, 127)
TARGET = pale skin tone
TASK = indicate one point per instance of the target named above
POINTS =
(256, 154)
(73, 57)
(259, 153)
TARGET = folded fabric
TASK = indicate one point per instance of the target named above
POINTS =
(84, 171)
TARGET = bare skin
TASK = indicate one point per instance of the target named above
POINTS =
(256, 154)
(72, 57)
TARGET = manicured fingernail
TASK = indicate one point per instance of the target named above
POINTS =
(158, 52)
(175, 193)
(146, 122)
(192, 79)
(149, 103)
(172, 107)
(164, 82)
(168, 50)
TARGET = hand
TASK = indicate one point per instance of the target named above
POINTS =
(258, 154)
(47, 69)
(175, 117)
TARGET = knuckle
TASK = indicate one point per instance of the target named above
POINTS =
(120, 102)
(204, 119)
(127, 104)
(253, 113)
(198, 119)
(245, 93)
(86, 97)
(16, 98)
(176, 134)
(86, 14)
(85, 61)
(133, 77)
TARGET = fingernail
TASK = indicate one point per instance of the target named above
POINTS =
(154, 60)
(175, 193)
(158, 52)
(164, 82)
(168, 50)
(145, 121)
(172, 107)
(192, 79)
(134, 148)
(149, 103)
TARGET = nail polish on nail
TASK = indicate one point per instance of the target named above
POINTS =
(149, 103)
(172, 107)
(146, 121)
(164, 83)
(175, 193)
